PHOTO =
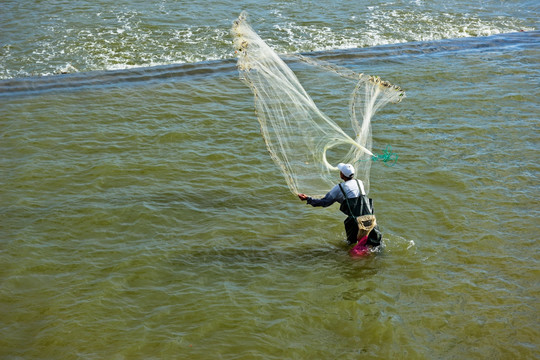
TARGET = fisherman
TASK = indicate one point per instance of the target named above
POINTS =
(354, 203)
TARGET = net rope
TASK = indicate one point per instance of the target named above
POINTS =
(296, 132)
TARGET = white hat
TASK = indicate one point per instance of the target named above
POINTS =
(346, 169)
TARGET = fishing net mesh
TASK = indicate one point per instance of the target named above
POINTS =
(297, 134)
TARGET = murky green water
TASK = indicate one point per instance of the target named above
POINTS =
(141, 216)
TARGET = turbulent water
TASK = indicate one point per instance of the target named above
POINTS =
(142, 217)
(48, 37)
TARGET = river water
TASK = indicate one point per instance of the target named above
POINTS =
(142, 217)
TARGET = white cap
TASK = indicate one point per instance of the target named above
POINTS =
(346, 169)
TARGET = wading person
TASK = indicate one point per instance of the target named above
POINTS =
(360, 220)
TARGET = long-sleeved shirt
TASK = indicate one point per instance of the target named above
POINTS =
(351, 190)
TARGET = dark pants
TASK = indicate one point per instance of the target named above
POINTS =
(351, 228)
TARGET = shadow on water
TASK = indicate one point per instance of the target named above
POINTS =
(334, 256)
(173, 72)
(114, 78)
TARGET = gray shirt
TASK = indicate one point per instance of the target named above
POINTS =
(351, 190)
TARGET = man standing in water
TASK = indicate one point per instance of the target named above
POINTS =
(351, 195)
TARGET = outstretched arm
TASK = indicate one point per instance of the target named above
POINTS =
(328, 200)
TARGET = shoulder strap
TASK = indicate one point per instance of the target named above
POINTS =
(369, 201)
(342, 191)
(359, 188)
(348, 205)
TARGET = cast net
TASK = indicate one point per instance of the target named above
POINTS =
(297, 134)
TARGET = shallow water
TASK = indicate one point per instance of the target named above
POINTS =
(141, 216)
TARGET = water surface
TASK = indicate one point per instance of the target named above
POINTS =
(142, 217)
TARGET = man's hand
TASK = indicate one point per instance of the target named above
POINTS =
(303, 197)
